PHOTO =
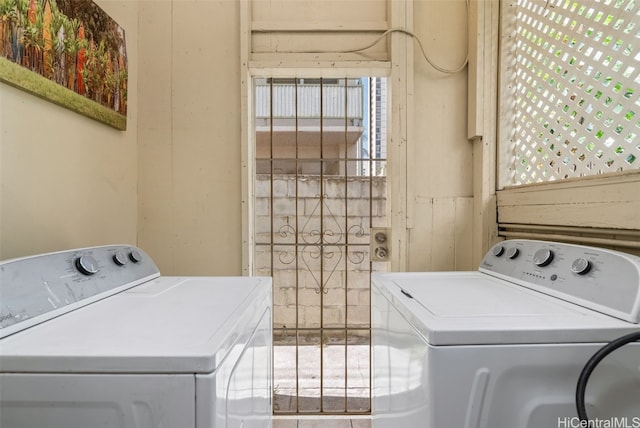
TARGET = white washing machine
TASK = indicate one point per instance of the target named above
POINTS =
(95, 337)
(504, 347)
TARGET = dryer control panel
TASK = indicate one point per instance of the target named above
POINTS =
(603, 280)
(37, 288)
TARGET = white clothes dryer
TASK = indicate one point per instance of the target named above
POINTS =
(95, 337)
(504, 347)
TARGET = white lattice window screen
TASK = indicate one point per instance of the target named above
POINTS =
(575, 82)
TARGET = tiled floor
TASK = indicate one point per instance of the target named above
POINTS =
(321, 422)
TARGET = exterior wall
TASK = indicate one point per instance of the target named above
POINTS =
(67, 181)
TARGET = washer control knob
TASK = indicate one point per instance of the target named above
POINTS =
(513, 253)
(120, 258)
(87, 265)
(543, 257)
(581, 266)
(135, 256)
(498, 250)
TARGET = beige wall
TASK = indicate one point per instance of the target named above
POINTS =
(430, 157)
(189, 136)
(67, 181)
(71, 182)
(440, 182)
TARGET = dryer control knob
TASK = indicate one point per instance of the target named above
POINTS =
(87, 265)
(543, 257)
(498, 250)
(135, 256)
(513, 253)
(581, 266)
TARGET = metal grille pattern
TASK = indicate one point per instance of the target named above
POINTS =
(318, 191)
(576, 82)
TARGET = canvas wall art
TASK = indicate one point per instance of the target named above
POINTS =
(69, 52)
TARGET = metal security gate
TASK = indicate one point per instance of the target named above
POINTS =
(320, 188)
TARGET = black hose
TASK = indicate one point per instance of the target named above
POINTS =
(591, 365)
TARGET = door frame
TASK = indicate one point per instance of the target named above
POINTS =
(399, 71)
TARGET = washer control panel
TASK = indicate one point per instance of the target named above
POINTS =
(37, 288)
(604, 280)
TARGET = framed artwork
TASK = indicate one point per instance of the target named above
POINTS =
(69, 52)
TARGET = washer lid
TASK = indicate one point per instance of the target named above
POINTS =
(472, 308)
(167, 325)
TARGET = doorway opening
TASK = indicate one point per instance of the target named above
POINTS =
(320, 187)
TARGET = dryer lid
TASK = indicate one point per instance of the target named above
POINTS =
(167, 325)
